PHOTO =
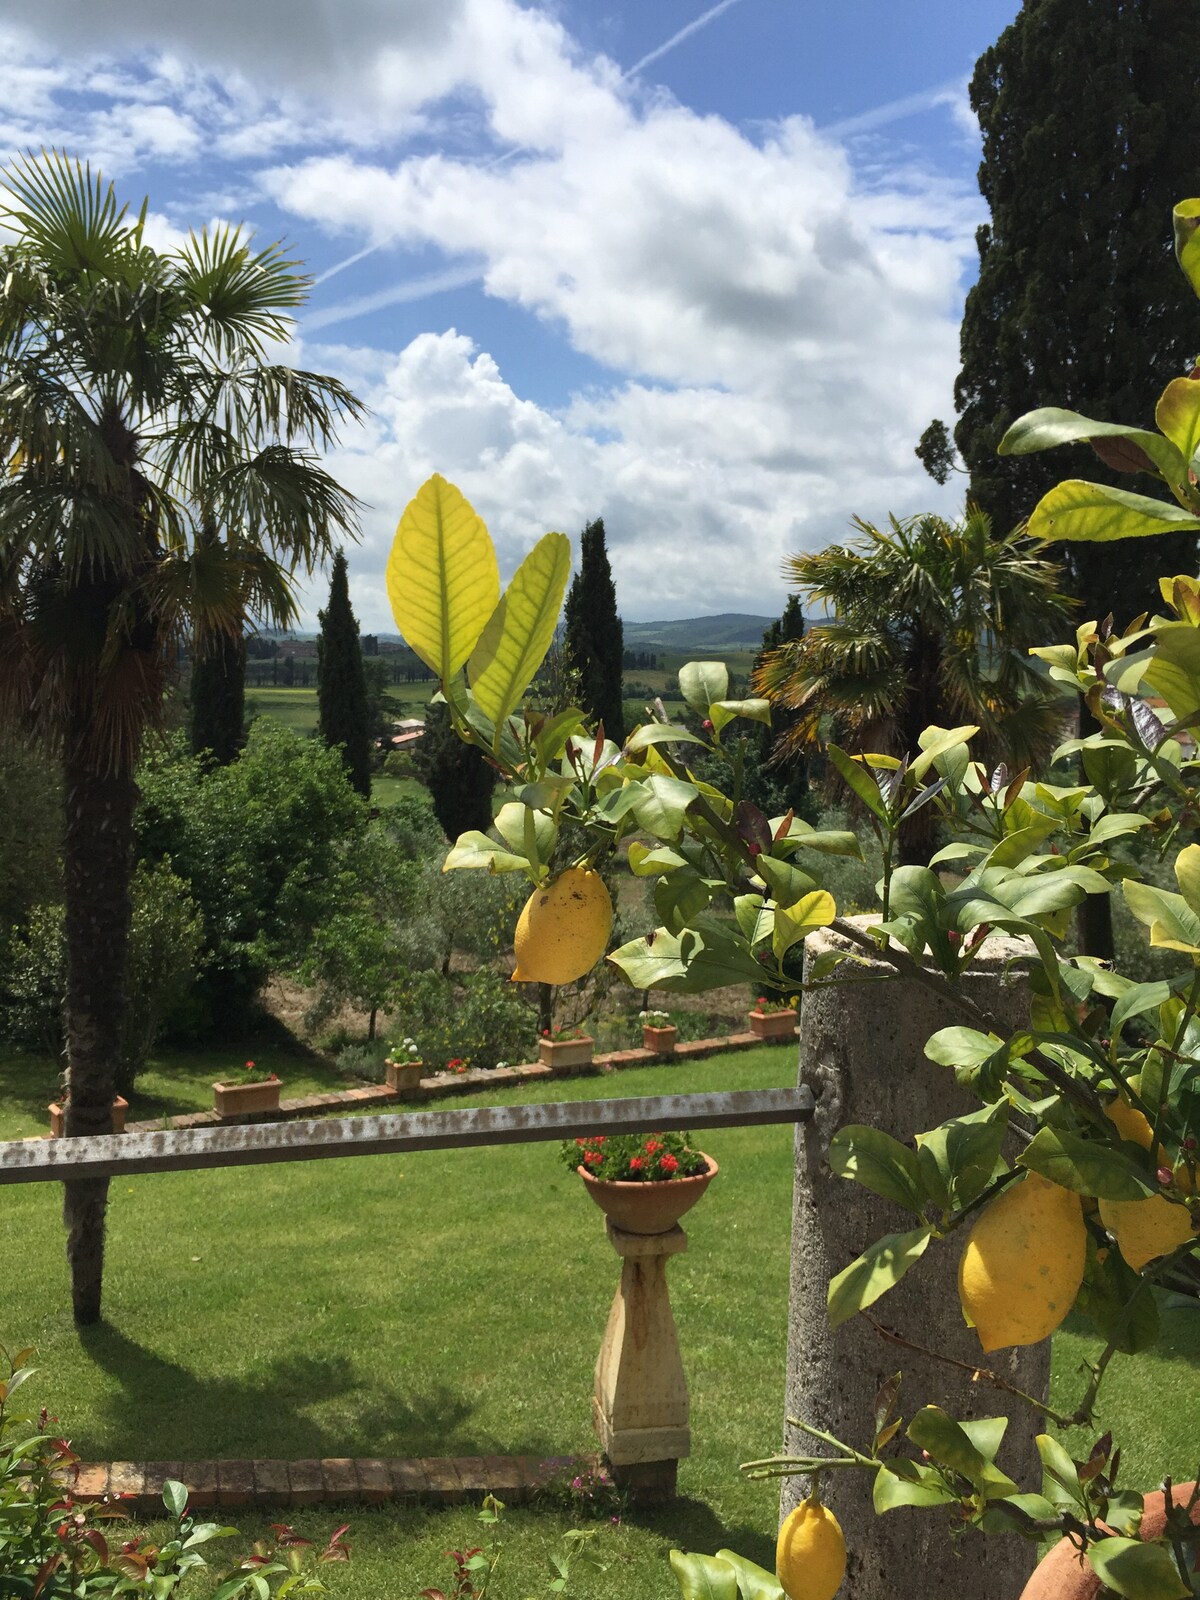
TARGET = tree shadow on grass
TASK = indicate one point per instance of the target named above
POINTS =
(165, 1412)
(693, 1525)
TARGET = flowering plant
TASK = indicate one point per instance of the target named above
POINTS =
(654, 1019)
(458, 1065)
(768, 1006)
(252, 1074)
(561, 1032)
(406, 1048)
(634, 1157)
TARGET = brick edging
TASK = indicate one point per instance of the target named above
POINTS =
(436, 1088)
(335, 1480)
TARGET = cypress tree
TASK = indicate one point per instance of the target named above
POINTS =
(341, 687)
(1090, 123)
(776, 781)
(218, 698)
(593, 634)
(458, 778)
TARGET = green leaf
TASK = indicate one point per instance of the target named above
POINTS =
(880, 1163)
(475, 849)
(1187, 875)
(723, 712)
(703, 1577)
(660, 733)
(1172, 922)
(1186, 219)
(878, 1269)
(786, 882)
(680, 897)
(826, 841)
(1120, 1303)
(175, 1497)
(1076, 509)
(1136, 1570)
(645, 862)
(796, 922)
(905, 1483)
(1178, 417)
(958, 1160)
(1174, 671)
(754, 917)
(1137, 1000)
(1060, 1476)
(442, 577)
(514, 822)
(661, 802)
(962, 1047)
(944, 741)
(1083, 1166)
(948, 1443)
(858, 778)
(754, 1582)
(1048, 427)
(513, 645)
(703, 682)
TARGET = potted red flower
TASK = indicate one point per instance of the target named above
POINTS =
(774, 1019)
(565, 1047)
(254, 1091)
(643, 1183)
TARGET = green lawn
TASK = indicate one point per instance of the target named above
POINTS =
(452, 1303)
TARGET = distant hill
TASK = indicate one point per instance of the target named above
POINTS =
(731, 630)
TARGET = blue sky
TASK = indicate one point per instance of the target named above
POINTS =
(697, 269)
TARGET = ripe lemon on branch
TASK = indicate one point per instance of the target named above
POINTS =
(563, 928)
(810, 1555)
(1023, 1263)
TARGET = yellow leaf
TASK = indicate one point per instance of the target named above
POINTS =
(442, 577)
(518, 634)
(1187, 872)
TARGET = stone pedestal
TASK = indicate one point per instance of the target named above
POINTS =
(640, 1404)
(862, 1055)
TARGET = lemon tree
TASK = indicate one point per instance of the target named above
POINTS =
(1073, 1186)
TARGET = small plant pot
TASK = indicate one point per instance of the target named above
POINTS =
(660, 1040)
(773, 1024)
(58, 1117)
(647, 1207)
(402, 1077)
(564, 1054)
(246, 1099)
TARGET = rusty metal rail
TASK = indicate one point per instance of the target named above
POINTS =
(257, 1144)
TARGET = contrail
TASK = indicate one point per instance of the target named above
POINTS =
(677, 38)
(410, 289)
(947, 94)
(654, 55)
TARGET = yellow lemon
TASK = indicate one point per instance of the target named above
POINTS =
(810, 1556)
(1146, 1229)
(1022, 1264)
(563, 928)
(1130, 1123)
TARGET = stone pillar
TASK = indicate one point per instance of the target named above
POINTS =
(640, 1404)
(862, 1055)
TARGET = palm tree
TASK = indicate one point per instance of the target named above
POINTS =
(929, 621)
(139, 405)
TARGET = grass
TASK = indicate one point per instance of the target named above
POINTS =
(453, 1303)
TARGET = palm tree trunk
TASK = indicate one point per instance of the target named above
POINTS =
(97, 860)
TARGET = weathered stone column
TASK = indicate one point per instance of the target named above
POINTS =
(640, 1404)
(862, 1055)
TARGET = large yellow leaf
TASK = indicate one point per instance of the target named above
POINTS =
(442, 577)
(514, 643)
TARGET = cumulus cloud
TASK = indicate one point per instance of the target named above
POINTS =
(771, 317)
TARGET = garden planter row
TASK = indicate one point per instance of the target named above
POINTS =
(773, 1024)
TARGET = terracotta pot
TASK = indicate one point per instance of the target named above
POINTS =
(1064, 1575)
(565, 1053)
(246, 1099)
(58, 1117)
(660, 1040)
(773, 1024)
(403, 1076)
(647, 1207)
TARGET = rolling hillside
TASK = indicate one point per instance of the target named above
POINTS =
(731, 630)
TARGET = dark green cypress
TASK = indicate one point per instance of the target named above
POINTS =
(593, 634)
(218, 698)
(1090, 122)
(341, 687)
(777, 785)
(458, 777)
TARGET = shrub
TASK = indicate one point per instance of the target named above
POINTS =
(479, 1019)
(399, 764)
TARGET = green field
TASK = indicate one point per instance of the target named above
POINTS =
(453, 1302)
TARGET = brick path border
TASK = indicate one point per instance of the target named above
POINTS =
(376, 1096)
(336, 1480)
